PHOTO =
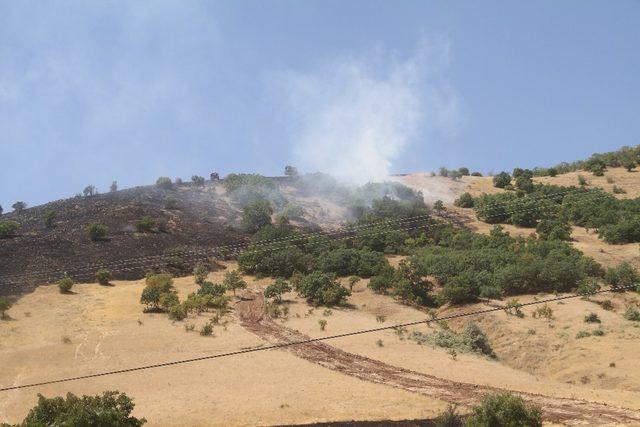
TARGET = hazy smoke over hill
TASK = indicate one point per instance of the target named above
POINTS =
(355, 117)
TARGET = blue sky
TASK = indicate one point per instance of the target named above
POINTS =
(97, 91)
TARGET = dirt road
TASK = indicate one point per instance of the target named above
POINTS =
(566, 411)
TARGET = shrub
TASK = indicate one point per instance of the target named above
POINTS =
(256, 214)
(213, 289)
(588, 287)
(111, 409)
(97, 231)
(632, 313)
(322, 289)
(543, 311)
(49, 217)
(352, 282)
(5, 304)
(383, 282)
(233, 281)
(470, 340)
(606, 305)
(168, 300)
(206, 330)
(621, 276)
(164, 183)
(502, 180)
(554, 229)
(504, 410)
(170, 203)
(103, 276)
(449, 418)
(618, 190)
(113, 187)
(592, 318)
(65, 285)
(323, 324)
(145, 225)
(277, 289)
(291, 171)
(197, 180)
(200, 273)
(582, 181)
(583, 334)
(8, 229)
(464, 201)
(156, 286)
(178, 312)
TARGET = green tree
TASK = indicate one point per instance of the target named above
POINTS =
(502, 180)
(622, 276)
(256, 214)
(464, 201)
(113, 187)
(18, 207)
(322, 289)
(233, 281)
(291, 171)
(200, 273)
(504, 410)
(277, 289)
(111, 409)
(164, 183)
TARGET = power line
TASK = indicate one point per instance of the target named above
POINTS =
(307, 341)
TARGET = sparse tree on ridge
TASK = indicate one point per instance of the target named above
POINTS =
(18, 207)
(291, 171)
(113, 187)
(89, 190)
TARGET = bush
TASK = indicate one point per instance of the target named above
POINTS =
(156, 286)
(212, 289)
(632, 313)
(592, 318)
(277, 289)
(322, 289)
(383, 282)
(554, 229)
(65, 285)
(624, 275)
(233, 281)
(170, 203)
(502, 180)
(504, 410)
(256, 214)
(5, 304)
(103, 276)
(8, 229)
(145, 225)
(470, 340)
(464, 201)
(49, 217)
(350, 261)
(206, 330)
(178, 312)
(449, 418)
(111, 409)
(200, 273)
(582, 181)
(164, 183)
(97, 231)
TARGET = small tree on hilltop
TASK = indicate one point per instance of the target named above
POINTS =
(18, 207)
(89, 190)
(233, 281)
(277, 289)
(5, 304)
(164, 183)
(1, 210)
(197, 180)
(502, 180)
(113, 187)
(291, 171)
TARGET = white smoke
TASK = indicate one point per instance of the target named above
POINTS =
(355, 117)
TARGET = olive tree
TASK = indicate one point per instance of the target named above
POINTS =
(233, 281)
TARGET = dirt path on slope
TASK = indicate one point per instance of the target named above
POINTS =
(559, 410)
